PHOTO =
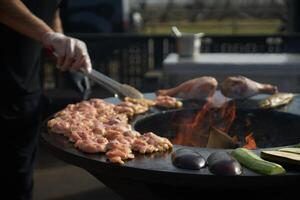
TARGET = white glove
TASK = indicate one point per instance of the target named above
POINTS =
(71, 53)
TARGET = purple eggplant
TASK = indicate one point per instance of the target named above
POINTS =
(222, 163)
(188, 159)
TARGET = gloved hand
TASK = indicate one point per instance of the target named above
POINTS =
(71, 53)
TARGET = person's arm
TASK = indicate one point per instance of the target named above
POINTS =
(57, 24)
(82, 83)
(16, 15)
(71, 53)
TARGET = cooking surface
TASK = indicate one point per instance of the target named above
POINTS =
(153, 162)
(155, 166)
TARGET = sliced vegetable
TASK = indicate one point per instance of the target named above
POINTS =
(276, 100)
(281, 157)
(291, 150)
(254, 162)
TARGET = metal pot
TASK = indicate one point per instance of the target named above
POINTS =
(189, 44)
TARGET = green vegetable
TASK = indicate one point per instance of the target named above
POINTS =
(254, 162)
(297, 145)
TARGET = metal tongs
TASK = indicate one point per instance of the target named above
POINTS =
(120, 90)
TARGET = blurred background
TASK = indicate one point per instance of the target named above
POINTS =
(131, 41)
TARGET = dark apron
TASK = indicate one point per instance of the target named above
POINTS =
(19, 124)
(20, 103)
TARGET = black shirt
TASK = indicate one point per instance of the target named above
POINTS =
(20, 70)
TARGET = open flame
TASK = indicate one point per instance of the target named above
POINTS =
(222, 118)
(195, 131)
(209, 128)
(250, 142)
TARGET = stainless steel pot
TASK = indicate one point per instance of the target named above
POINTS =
(189, 44)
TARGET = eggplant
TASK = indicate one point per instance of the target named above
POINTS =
(291, 150)
(286, 156)
(222, 163)
(188, 159)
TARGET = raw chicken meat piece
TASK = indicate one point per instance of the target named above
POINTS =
(149, 143)
(58, 125)
(96, 126)
(167, 102)
(199, 88)
(143, 102)
(119, 151)
(92, 145)
(240, 87)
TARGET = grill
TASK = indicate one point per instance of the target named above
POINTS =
(155, 177)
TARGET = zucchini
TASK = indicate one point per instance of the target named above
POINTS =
(297, 145)
(254, 162)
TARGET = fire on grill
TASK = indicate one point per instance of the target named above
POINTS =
(209, 128)
(159, 174)
(210, 125)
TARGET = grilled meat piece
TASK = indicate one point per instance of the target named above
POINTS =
(92, 145)
(149, 143)
(119, 151)
(198, 88)
(240, 87)
(167, 102)
(97, 126)
(143, 102)
(276, 100)
(132, 107)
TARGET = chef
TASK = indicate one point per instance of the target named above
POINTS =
(27, 27)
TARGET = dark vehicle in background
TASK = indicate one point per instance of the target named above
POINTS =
(96, 16)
